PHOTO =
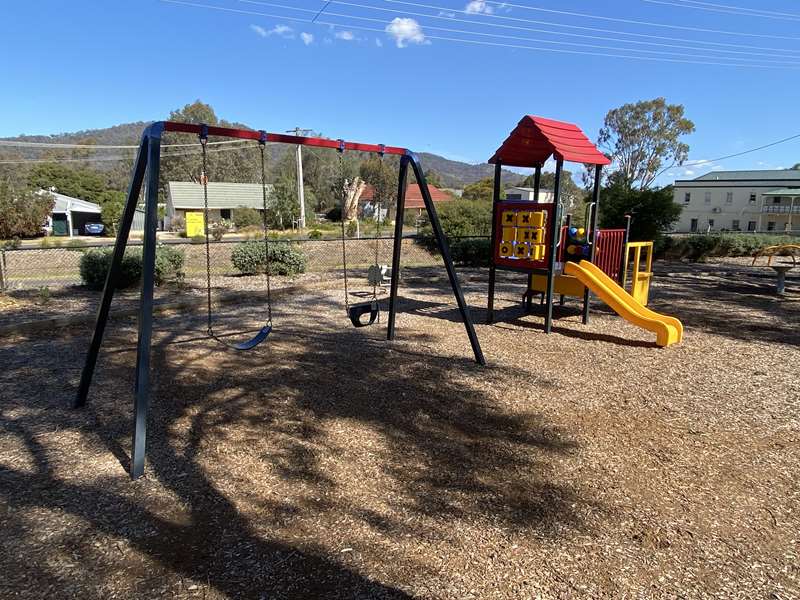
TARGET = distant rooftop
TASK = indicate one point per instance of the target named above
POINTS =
(189, 195)
(64, 203)
(771, 175)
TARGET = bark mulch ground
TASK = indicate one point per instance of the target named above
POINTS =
(329, 463)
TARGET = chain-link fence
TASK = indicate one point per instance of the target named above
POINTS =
(34, 268)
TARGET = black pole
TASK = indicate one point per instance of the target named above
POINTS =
(111, 279)
(623, 265)
(555, 232)
(537, 182)
(398, 241)
(592, 228)
(498, 172)
(146, 307)
(448, 261)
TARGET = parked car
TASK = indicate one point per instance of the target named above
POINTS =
(94, 228)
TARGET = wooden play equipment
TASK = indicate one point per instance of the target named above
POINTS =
(784, 250)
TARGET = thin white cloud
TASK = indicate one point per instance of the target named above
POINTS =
(259, 30)
(347, 36)
(282, 31)
(478, 7)
(379, 42)
(406, 31)
(307, 38)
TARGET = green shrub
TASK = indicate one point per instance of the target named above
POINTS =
(198, 239)
(459, 218)
(75, 245)
(218, 230)
(315, 234)
(471, 252)
(95, 263)
(249, 258)
(11, 244)
(246, 217)
(702, 246)
(169, 263)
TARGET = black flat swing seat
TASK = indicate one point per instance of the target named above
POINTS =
(262, 335)
(356, 311)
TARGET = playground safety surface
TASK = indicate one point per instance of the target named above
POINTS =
(332, 464)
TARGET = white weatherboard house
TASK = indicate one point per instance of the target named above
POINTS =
(223, 199)
(526, 193)
(756, 201)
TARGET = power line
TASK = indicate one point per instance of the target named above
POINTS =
(598, 29)
(621, 20)
(730, 10)
(518, 28)
(714, 62)
(321, 10)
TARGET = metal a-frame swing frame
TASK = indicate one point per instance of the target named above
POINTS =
(146, 173)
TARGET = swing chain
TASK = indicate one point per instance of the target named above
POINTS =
(340, 184)
(204, 182)
(262, 142)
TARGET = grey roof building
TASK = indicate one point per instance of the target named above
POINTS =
(223, 198)
(70, 215)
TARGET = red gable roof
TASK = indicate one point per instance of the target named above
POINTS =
(413, 195)
(536, 139)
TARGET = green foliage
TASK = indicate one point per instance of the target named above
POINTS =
(642, 136)
(461, 218)
(22, 214)
(572, 196)
(471, 252)
(352, 228)
(12, 244)
(700, 247)
(75, 245)
(95, 263)
(249, 258)
(411, 218)
(653, 211)
(315, 234)
(111, 209)
(218, 229)
(198, 239)
(480, 190)
(382, 177)
(334, 214)
(433, 178)
(246, 217)
(43, 296)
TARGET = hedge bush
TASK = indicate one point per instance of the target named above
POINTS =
(249, 258)
(702, 246)
(96, 262)
(471, 252)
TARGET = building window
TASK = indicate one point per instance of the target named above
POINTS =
(729, 198)
(711, 223)
(751, 226)
(708, 198)
(776, 200)
(752, 198)
(225, 213)
(735, 224)
(770, 225)
(693, 226)
(687, 197)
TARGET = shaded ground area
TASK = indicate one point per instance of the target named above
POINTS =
(329, 463)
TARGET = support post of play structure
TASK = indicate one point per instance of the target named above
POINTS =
(555, 234)
(113, 272)
(623, 267)
(143, 348)
(537, 186)
(444, 249)
(498, 172)
(591, 229)
(398, 240)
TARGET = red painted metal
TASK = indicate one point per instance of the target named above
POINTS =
(535, 139)
(608, 255)
(249, 134)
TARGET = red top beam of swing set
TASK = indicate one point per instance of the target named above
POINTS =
(249, 134)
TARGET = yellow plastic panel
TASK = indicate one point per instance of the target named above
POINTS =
(537, 219)
(521, 250)
(509, 218)
(506, 249)
(509, 234)
(524, 234)
(538, 236)
(524, 218)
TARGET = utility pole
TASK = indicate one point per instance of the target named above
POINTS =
(300, 189)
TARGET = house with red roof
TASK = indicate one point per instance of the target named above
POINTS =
(414, 199)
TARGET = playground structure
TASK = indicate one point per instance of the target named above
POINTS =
(536, 238)
(146, 166)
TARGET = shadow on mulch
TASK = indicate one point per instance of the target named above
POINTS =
(451, 454)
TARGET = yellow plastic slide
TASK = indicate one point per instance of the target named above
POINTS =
(668, 330)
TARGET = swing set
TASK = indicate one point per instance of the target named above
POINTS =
(146, 174)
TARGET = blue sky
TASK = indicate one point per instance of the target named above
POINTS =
(386, 75)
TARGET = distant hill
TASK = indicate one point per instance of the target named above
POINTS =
(453, 173)
(456, 174)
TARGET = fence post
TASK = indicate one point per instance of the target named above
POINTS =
(2, 270)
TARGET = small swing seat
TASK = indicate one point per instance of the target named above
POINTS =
(356, 311)
(255, 340)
